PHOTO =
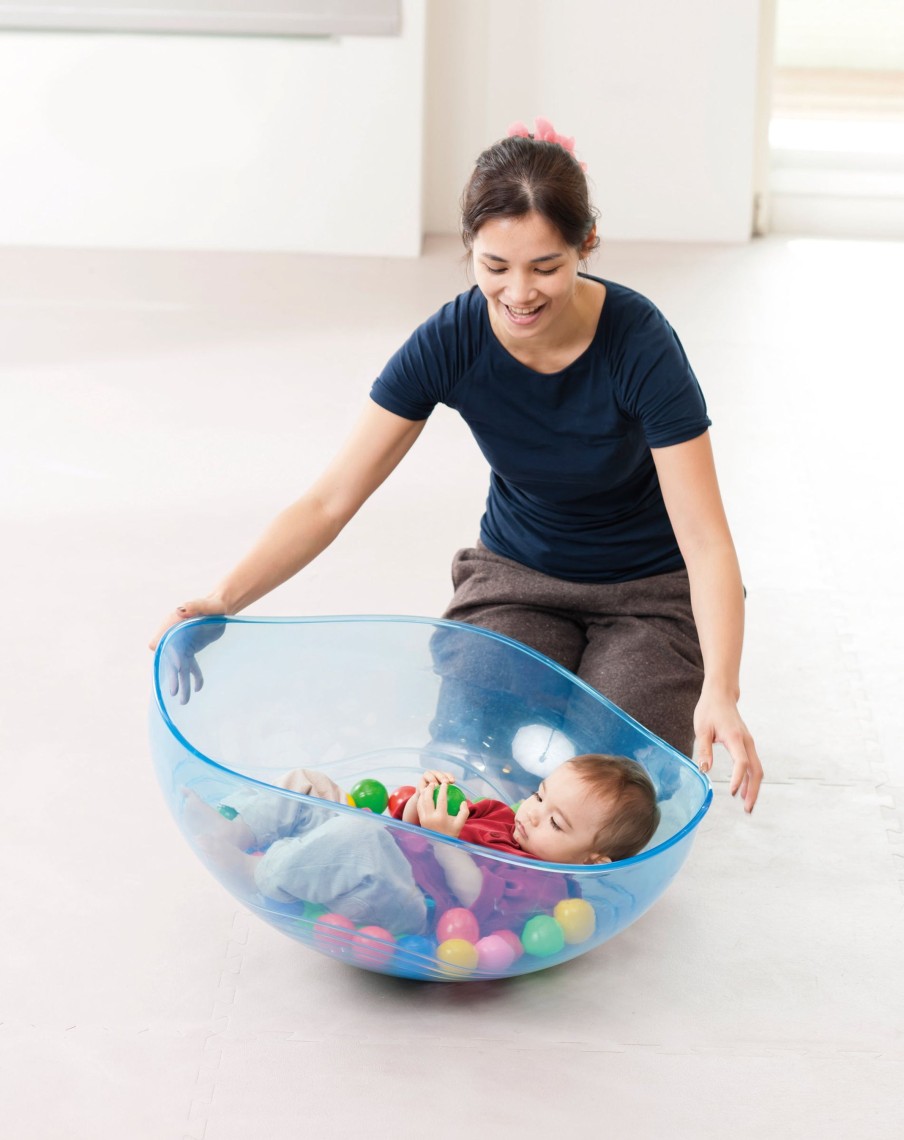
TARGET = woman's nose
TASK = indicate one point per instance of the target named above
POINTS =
(521, 288)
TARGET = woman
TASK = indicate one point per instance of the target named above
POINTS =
(604, 544)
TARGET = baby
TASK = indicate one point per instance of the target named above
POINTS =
(591, 809)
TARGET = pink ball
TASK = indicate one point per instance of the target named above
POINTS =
(513, 940)
(372, 946)
(333, 934)
(457, 923)
(494, 954)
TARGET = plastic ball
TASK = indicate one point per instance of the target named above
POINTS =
(457, 956)
(414, 956)
(312, 911)
(542, 936)
(370, 794)
(455, 797)
(372, 946)
(494, 954)
(400, 797)
(457, 923)
(577, 919)
(415, 946)
(513, 940)
(334, 933)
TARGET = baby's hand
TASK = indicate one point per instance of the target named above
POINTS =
(430, 779)
(435, 816)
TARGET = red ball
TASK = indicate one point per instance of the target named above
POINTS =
(372, 946)
(400, 797)
(334, 934)
(457, 923)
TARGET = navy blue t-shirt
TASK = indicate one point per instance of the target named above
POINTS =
(573, 487)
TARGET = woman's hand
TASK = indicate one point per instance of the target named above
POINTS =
(211, 606)
(180, 666)
(717, 721)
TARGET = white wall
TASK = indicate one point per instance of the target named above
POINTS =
(203, 143)
(200, 142)
(661, 97)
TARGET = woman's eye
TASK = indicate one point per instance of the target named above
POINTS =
(548, 272)
(490, 269)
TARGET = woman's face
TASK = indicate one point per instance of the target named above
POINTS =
(528, 274)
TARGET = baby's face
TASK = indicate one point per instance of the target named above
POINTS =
(560, 821)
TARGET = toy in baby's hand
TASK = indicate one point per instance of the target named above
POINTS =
(540, 749)
(455, 797)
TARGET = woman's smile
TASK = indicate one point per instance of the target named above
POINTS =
(523, 316)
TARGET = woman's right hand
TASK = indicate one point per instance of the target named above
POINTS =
(211, 606)
(180, 665)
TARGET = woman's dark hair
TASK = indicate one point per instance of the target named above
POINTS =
(519, 176)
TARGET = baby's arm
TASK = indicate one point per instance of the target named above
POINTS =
(463, 876)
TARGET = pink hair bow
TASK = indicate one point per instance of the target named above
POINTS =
(545, 132)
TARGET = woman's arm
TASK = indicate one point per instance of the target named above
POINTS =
(377, 444)
(690, 488)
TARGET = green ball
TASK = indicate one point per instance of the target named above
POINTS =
(455, 797)
(542, 936)
(370, 794)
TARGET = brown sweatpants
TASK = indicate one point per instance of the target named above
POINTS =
(634, 642)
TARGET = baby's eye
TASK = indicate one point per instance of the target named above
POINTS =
(554, 824)
(537, 797)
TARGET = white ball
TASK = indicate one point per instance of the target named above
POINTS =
(540, 749)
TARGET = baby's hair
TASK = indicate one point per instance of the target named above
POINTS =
(634, 816)
(520, 176)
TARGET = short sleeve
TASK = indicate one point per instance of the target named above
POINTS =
(425, 370)
(658, 387)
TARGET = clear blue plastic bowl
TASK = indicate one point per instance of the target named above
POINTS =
(384, 698)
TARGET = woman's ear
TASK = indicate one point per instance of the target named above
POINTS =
(590, 243)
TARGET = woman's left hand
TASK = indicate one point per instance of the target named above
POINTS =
(717, 721)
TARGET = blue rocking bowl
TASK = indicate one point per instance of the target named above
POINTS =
(383, 698)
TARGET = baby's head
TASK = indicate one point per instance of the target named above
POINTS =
(592, 809)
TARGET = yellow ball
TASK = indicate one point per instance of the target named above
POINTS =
(349, 800)
(457, 956)
(577, 919)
